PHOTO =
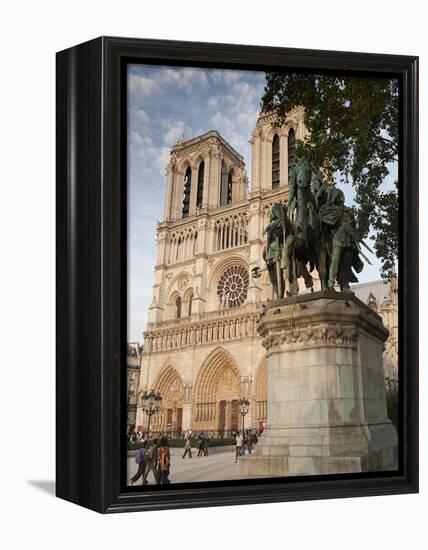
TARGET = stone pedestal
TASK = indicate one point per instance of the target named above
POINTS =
(326, 407)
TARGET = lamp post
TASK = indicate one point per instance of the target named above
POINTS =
(244, 405)
(151, 404)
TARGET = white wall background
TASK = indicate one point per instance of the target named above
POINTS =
(31, 33)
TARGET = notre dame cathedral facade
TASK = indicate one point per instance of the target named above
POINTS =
(202, 352)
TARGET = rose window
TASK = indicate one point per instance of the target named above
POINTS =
(232, 287)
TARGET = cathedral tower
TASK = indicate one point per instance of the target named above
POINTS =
(201, 349)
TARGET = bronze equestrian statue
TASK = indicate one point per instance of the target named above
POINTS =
(316, 230)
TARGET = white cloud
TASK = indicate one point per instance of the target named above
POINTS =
(162, 159)
(164, 103)
(141, 85)
(142, 116)
(186, 79)
(173, 134)
(248, 119)
(213, 101)
(170, 75)
(241, 87)
(222, 122)
(230, 77)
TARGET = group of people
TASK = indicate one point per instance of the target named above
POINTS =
(153, 457)
(202, 444)
(140, 436)
(244, 440)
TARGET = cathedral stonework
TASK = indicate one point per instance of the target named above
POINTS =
(202, 352)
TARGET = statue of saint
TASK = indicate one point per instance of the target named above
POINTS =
(346, 253)
(277, 232)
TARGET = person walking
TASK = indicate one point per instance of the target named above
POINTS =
(139, 459)
(164, 460)
(249, 441)
(187, 447)
(239, 441)
(201, 444)
(150, 461)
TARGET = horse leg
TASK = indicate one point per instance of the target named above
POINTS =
(292, 277)
(307, 277)
(323, 268)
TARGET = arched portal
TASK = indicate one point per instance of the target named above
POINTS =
(170, 385)
(217, 392)
(261, 394)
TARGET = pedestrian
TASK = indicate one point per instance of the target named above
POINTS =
(206, 446)
(249, 441)
(164, 460)
(238, 445)
(201, 444)
(139, 459)
(187, 447)
(150, 462)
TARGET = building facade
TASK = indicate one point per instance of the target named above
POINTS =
(382, 296)
(202, 352)
(133, 364)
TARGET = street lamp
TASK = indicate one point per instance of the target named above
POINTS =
(244, 405)
(151, 404)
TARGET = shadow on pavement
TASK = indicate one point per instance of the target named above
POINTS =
(47, 486)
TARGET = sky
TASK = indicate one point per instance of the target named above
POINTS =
(165, 103)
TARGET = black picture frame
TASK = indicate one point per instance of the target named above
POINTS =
(91, 274)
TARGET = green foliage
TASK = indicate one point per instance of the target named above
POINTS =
(353, 134)
(221, 441)
(179, 442)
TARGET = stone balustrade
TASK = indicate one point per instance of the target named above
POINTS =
(200, 333)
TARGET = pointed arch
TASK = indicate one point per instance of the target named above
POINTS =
(187, 184)
(171, 388)
(226, 186)
(261, 381)
(187, 302)
(217, 393)
(275, 162)
(215, 364)
(260, 393)
(165, 379)
(291, 146)
(178, 307)
(200, 186)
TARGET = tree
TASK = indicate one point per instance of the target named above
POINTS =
(353, 136)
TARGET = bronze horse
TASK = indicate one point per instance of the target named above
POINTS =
(309, 245)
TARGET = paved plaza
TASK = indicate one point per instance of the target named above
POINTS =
(219, 465)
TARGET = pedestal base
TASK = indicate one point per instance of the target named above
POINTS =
(333, 450)
(326, 402)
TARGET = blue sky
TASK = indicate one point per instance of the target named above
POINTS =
(163, 104)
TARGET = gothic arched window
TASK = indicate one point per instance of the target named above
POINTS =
(178, 308)
(229, 188)
(200, 190)
(275, 162)
(186, 193)
(291, 151)
(190, 305)
(226, 185)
